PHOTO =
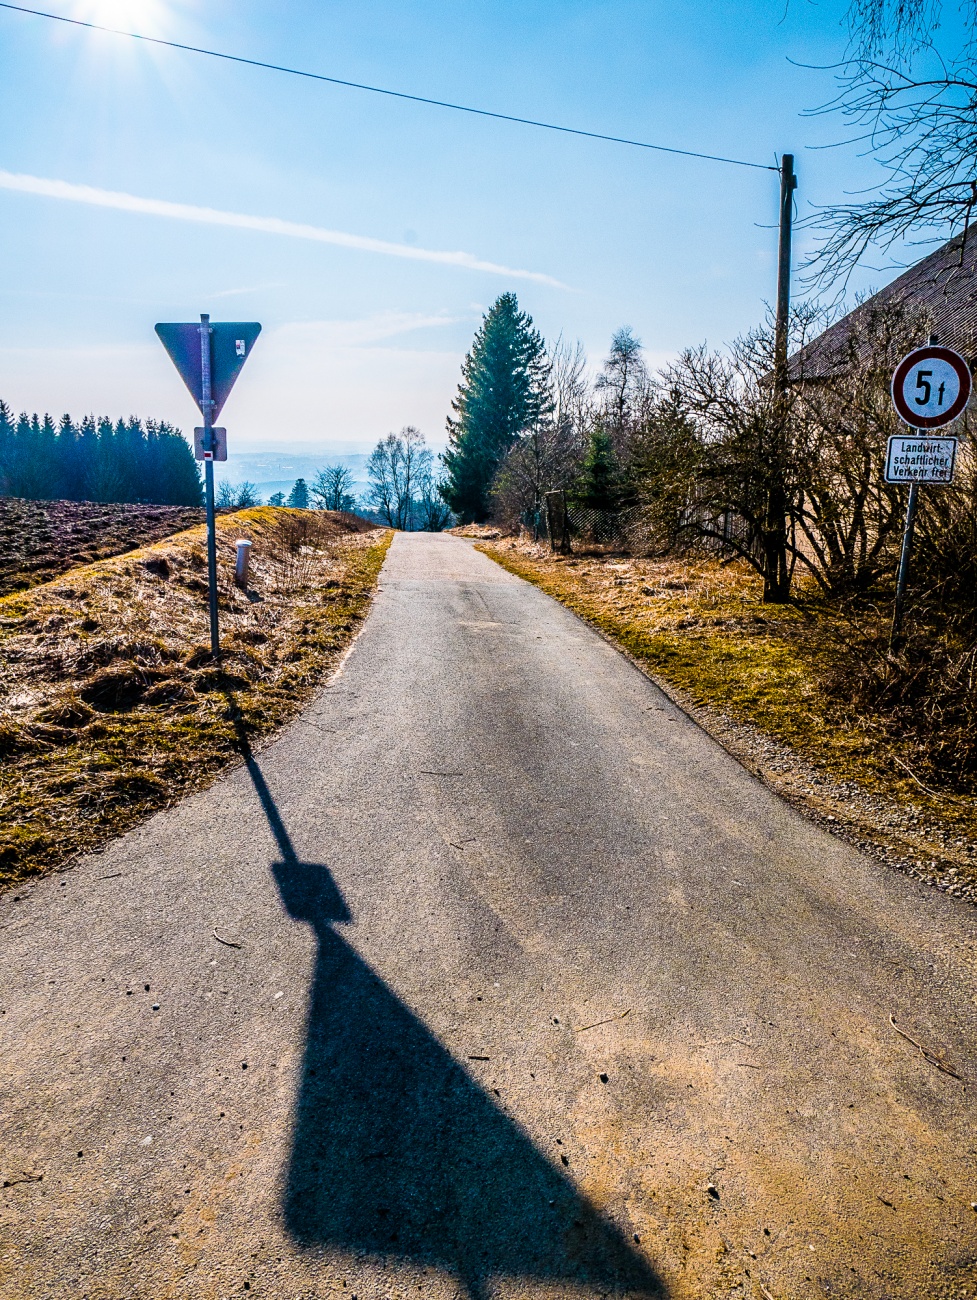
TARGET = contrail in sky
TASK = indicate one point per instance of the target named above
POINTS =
(267, 225)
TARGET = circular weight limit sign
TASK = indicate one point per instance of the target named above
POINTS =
(931, 387)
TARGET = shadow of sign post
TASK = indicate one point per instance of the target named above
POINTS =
(398, 1153)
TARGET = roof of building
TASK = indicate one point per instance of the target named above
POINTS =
(943, 285)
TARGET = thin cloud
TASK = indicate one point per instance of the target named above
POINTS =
(267, 225)
(362, 332)
(251, 288)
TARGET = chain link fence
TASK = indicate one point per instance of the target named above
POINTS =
(567, 527)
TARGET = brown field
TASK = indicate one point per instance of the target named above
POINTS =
(110, 704)
(41, 539)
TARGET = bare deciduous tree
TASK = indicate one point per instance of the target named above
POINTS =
(912, 104)
(332, 488)
(432, 513)
(748, 472)
(623, 389)
(798, 480)
(570, 396)
(543, 460)
(241, 497)
(848, 516)
(398, 464)
(666, 457)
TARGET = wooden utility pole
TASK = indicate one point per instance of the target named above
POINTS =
(788, 184)
(777, 570)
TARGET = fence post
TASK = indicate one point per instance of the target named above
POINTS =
(557, 521)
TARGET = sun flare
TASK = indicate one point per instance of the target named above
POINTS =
(132, 15)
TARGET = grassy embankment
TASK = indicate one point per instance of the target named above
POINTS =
(757, 676)
(110, 705)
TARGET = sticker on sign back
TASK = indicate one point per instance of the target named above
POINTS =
(920, 460)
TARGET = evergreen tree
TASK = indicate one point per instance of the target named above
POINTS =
(133, 459)
(70, 457)
(7, 434)
(88, 457)
(96, 461)
(171, 474)
(298, 498)
(598, 485)
(106, 480)
(24, 441)
(277, 499)
(503, 392)
(46, 466)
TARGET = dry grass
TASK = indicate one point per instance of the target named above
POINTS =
(701, 629)
(110, 705)
(480, 532)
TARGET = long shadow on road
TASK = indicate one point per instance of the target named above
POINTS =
(398, 1153)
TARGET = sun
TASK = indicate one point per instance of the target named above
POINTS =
(132, 15)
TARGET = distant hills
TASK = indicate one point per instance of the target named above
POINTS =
(273, 471)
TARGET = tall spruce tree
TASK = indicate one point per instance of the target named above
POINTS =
(298, 498)
(7, 446)
(503, 392)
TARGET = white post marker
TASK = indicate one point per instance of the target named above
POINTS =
(243, 562)
(930, 388)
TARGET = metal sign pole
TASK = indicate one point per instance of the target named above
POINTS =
(209, 358)
(207, 408)
(930, 389)
(903, 576)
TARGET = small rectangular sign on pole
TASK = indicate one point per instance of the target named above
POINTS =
(219, 440)
(920, 459)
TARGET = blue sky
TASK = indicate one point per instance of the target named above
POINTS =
(358, 340)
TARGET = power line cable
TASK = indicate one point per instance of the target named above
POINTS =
(380, 90)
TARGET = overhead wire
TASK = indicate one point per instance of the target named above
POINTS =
(380, 90)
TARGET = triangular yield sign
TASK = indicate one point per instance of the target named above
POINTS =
(230, 346)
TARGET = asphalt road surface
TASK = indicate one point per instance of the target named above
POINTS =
(523, 988)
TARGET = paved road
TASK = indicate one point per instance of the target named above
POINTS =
(538, 994)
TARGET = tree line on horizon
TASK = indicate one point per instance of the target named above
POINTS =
(96, 459)
(131, 461)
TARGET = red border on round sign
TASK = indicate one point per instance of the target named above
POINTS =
(936, 353)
